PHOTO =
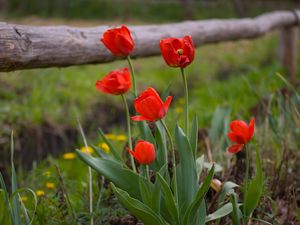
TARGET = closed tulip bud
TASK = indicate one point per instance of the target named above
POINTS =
(117, 82)
(216, 185)
(144, 152)
(118, 41)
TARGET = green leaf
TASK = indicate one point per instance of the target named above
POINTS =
(193, 207)
(145, 132)
(139, 209)
(166, 92)
(169, 200)
(6, 195)
(236, 214)
(102, 153)
(187, 181)
(145, 191)
(200, 165)
(115, 172)
(220, 213)
(156, 197)
(25, 213)
(217, 125)
(161, 148)
(254, 190)
(14, 187)
(194, 135)
(110, 145)
(218, 167)
(227, 189)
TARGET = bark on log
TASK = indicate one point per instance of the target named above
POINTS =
(25, 47)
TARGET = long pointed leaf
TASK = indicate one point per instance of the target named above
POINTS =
(235, 210)
(193, 207)
(14, 186)
(194, 135)
(170, 204)
(116, 173)
(187, 181)
(110, 145)
(139, 209)
(254, 190)
(221, 212)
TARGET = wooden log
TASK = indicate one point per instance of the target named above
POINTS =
(288, 52)
(25, 47)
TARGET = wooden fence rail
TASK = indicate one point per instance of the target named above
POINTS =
(26, 47)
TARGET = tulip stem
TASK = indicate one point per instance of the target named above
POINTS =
(173, 159)
(147, 173)
(186, 103)
(129, 132)
(246, 178)
(132, 75)
(247, 167)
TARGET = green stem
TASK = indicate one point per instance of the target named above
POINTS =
(147, 173)
(186, 103)
(246, 178)
(132, 75)
(173, 159)
(129, 132)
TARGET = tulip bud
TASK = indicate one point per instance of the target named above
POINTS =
(216, 185)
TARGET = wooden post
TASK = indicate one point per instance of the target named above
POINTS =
(288, 52)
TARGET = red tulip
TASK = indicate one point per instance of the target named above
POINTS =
(150, 106)
(118, 41)
(144, 152)
(240, 133)
(178, 52)
(117, 82)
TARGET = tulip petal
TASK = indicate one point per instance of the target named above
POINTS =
(165, 108)
(251, 128)
(125, 45)
(138, 118)
(235, 148)
(167, 103)
(131, 152)
(241, 130)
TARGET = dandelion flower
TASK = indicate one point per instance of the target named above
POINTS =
(89, 149)
(69, 156)
(50, 185)
(121, 137)
(104, 147)
(40, 193)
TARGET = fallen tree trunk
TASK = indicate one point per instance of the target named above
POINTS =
(25, 47)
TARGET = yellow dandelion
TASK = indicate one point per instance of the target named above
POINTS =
(47, 173)
(40, 193)
(23, 198)
(104, 147)
(88, 149)
(110, 136)
(50, 185)
(178, 110)
(121, 137)
(181, 101)
(69, 156)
